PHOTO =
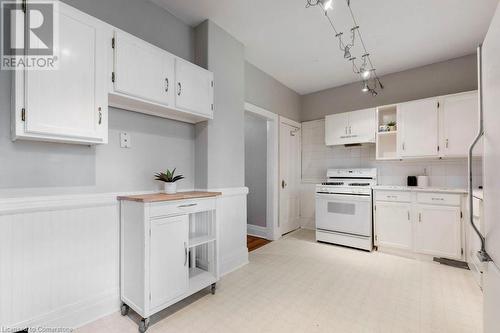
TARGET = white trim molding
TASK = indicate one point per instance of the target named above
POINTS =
(258, 231)
(272, 168)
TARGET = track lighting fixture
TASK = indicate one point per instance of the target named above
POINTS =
(365, 70)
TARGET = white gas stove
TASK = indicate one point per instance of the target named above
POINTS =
(344, 208)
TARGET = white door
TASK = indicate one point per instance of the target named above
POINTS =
(491, 98)
(71, 102)
(289, 147)
(142, 70)
(336, 129)
(437, 231)
(194, 88)
(418, 128)
(393, 226)
(363, 125)
(169, 272)
(459, 123)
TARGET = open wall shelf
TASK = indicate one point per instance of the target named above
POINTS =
(387, 145)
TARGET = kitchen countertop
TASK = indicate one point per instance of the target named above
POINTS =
(159, 197)
(420, 189)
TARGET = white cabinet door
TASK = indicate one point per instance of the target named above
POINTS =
(437, 231)
(336, 129)
(363, 125)
(70, 103)
(169, 272)
(194, 88)
(459, 123)
(142, 70)
(418, 128)
(393, 226)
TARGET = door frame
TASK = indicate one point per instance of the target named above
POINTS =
(271, 232)
(289, 122)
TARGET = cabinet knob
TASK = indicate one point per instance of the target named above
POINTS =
(100, 115)
(166, 84)
(179, 90)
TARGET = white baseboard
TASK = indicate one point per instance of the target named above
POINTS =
(258, 231)
(78, 314)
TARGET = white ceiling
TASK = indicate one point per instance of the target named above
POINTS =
(296, 46)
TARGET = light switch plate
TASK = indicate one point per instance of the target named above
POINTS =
(125, 140)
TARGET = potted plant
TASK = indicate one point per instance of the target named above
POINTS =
(392, 126)
(170, 180)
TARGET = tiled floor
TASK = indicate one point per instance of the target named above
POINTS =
(297, 285)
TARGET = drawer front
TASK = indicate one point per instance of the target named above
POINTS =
(181, 207)
(439, 199)
(392, 196)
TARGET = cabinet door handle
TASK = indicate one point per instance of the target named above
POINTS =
(437, 199)
(185, 254)
(100, 115)
(408, 215)
(446, 143)
(179, 86)
(283, 184)
(419, 217)
(166, 84)
(349, 129)
(403, 146)
(188, 205)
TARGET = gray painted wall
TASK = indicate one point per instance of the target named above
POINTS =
(256, 168)
(220, 143)
(442, 78)
(37, 168)
(263, 90)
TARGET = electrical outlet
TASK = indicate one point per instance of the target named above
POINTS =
(125, 140)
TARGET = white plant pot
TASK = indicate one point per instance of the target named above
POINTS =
(170, 188)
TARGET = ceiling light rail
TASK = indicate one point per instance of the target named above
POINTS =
(366, 71)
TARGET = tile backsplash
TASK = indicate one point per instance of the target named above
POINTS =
(317, 158)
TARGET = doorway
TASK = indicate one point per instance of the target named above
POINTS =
(290, 169)
(261, 172)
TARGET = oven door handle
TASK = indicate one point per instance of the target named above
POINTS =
(344, 197)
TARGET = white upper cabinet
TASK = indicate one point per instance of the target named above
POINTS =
(194, 88)
(418, 128)
(459, 123)
(142, 70)
(350, 127)
(150, 80)
(336, 129)
(68, 104)
(363, 125)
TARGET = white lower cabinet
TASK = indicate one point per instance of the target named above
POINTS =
(169, 259)
(393, 225)
(168, 251)
(429, 224)
(437, 231)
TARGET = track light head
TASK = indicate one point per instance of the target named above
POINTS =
(365, 87)
(347, 52)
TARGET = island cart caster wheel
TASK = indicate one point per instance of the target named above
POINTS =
(144, 325)
(124, 309)
(213, 288)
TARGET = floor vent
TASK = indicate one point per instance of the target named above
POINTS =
(453, 263)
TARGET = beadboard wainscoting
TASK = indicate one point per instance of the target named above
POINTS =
(59, 256)
(317, 158)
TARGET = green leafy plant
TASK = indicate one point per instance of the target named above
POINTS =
(392, 123)
(168, 176)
